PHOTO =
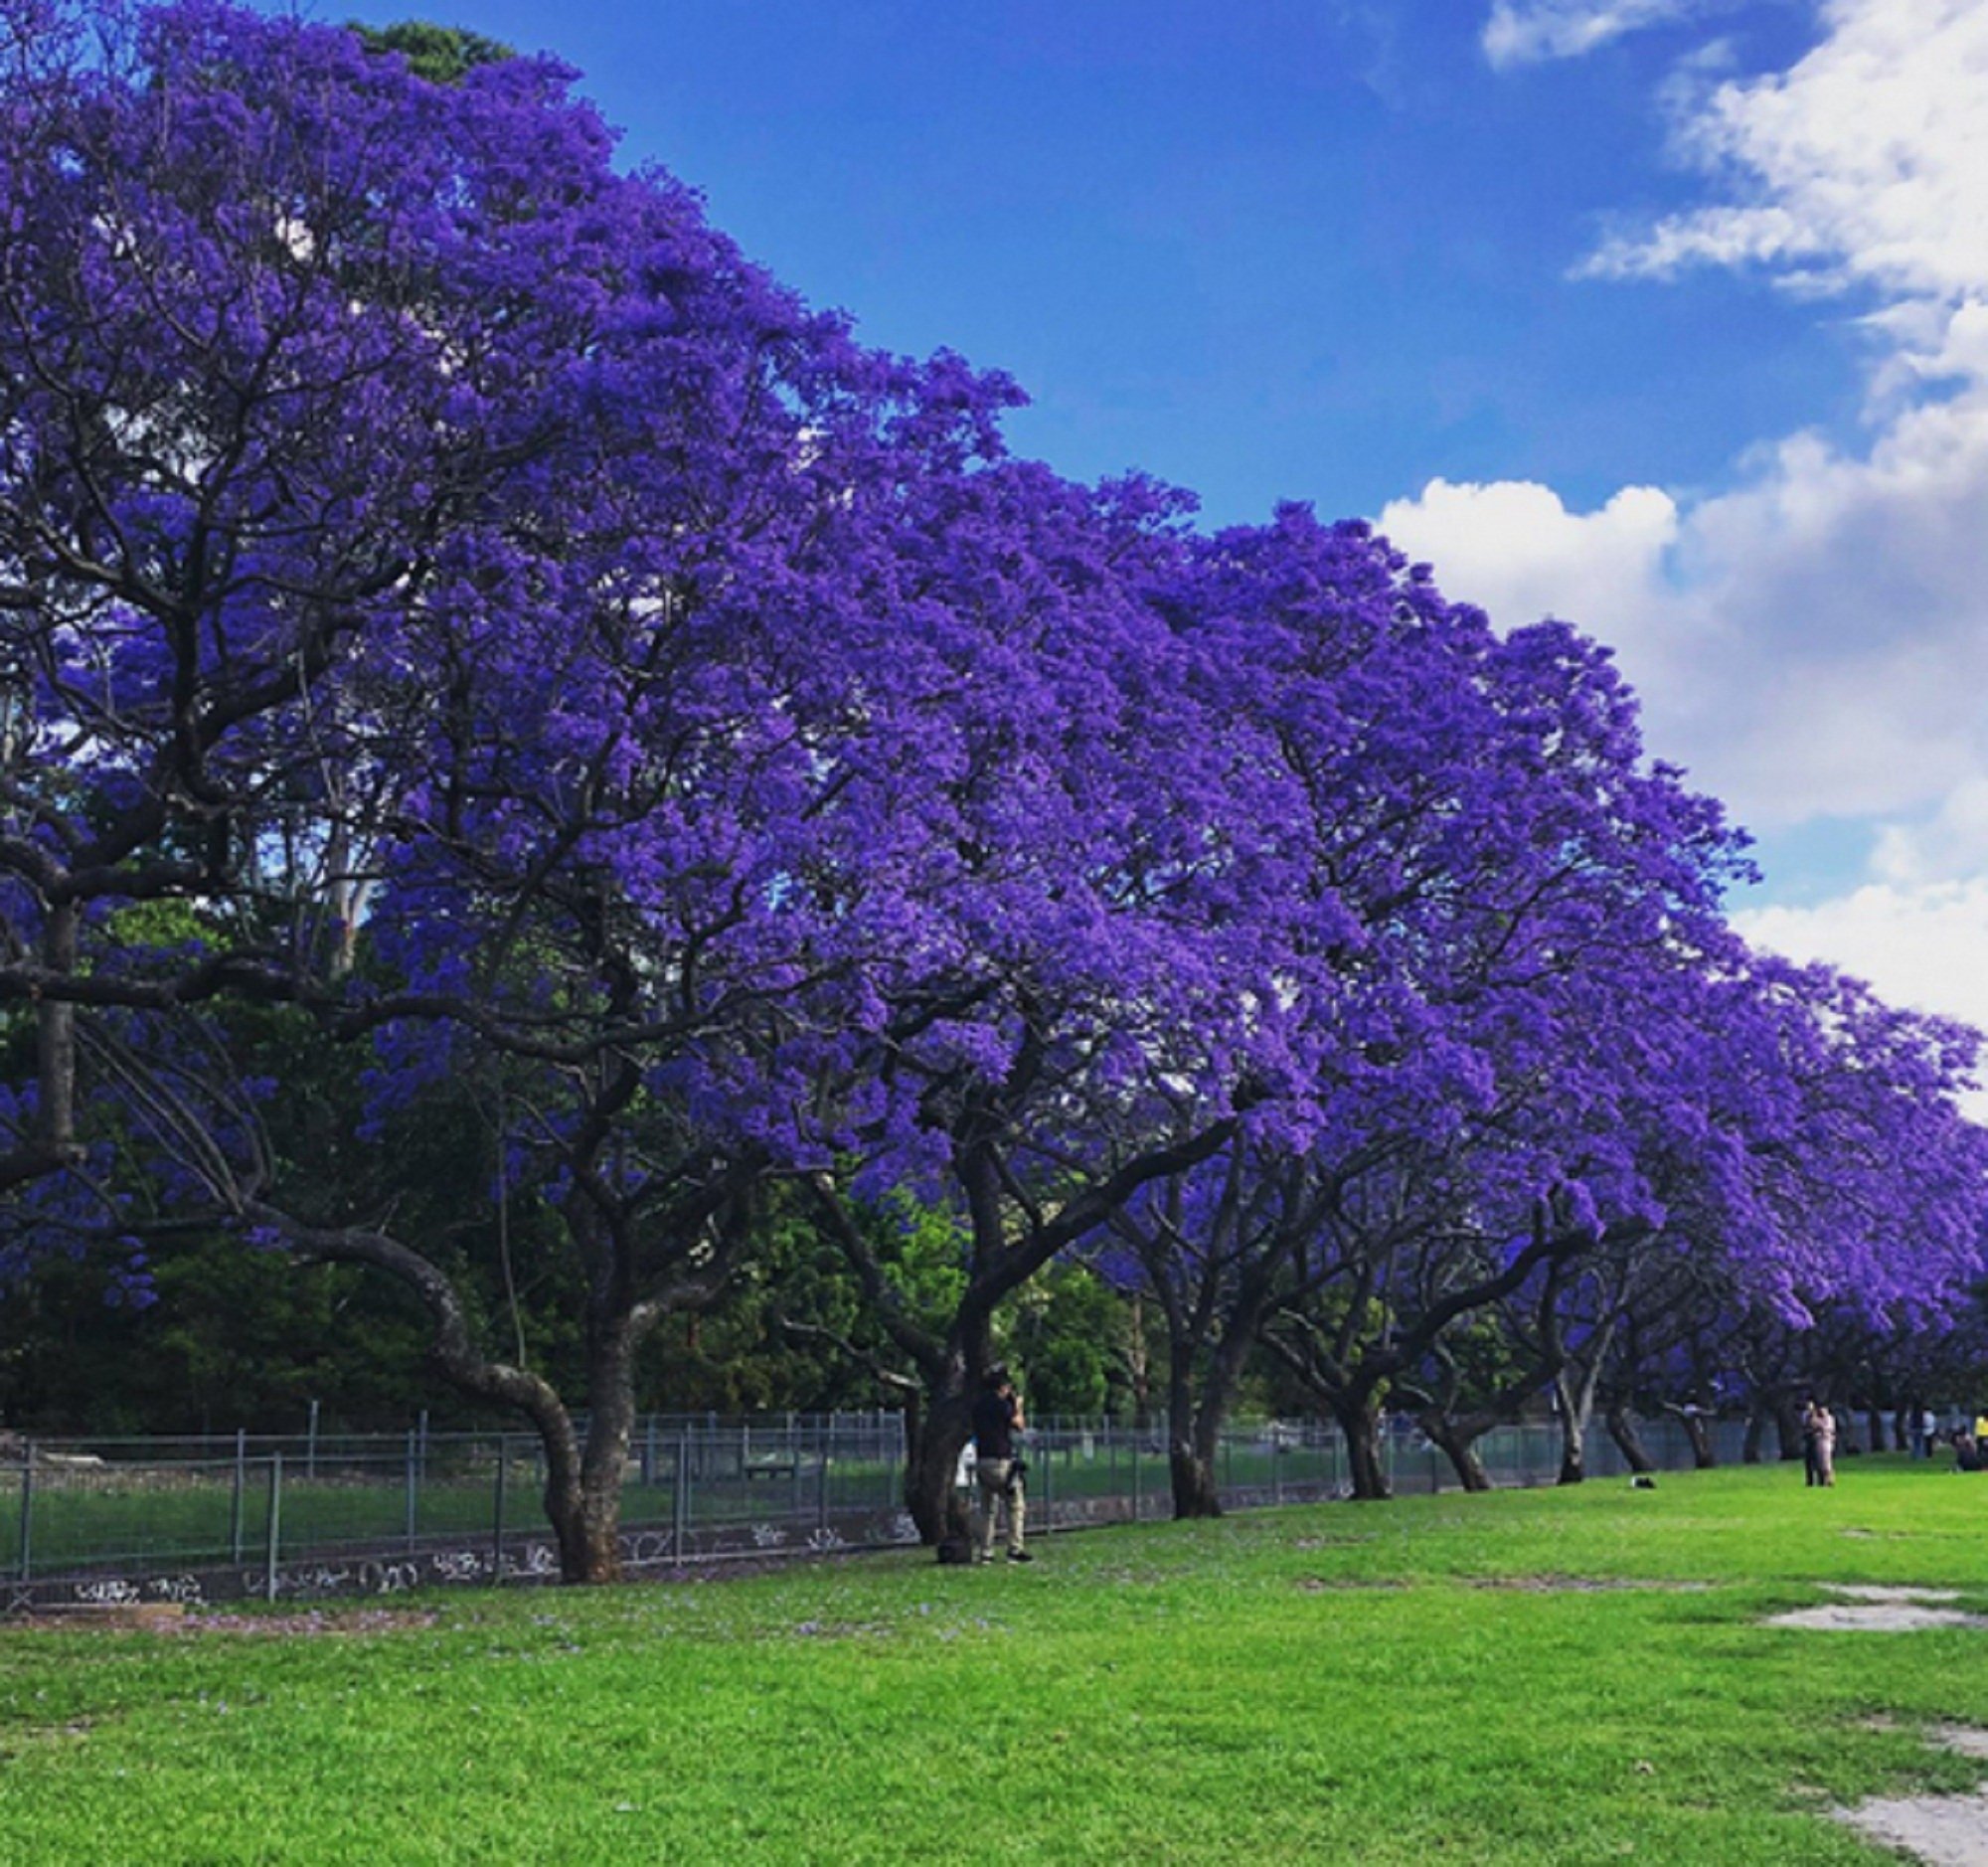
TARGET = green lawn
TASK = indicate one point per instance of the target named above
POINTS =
(1410, 1682)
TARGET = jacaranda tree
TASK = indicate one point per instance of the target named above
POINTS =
(455, 609)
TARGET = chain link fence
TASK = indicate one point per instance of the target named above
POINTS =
(111, 1522)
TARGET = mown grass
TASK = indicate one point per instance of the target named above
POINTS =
(1547, 1676)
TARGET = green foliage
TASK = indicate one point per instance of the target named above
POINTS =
(237, 1338)
(443, 55)
(793, 1331)
(1069, 1339)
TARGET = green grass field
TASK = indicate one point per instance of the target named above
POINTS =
(1539, 1676)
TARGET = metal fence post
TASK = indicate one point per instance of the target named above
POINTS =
(27, 1506)
(240, 1493)
(413, 1485)
(310, 1443)
(1049, 1482)
(1136, 1449)
(821, 1493)
(680, 1505)
(497, 1517)
(272, 1528)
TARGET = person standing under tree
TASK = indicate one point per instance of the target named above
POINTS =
(1825, 1443)
(996, 1419)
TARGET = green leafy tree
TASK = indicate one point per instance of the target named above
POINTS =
(443, 55)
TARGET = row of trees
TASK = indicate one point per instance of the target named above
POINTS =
(517, 737)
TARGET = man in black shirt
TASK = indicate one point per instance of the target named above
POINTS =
(997, 1417)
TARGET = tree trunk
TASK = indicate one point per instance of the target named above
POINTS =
(1360, 1420)
(1623, 1430)
(583, 1496)
(1757, 1425)
(1574, 1416)
(932, 1494)
(1195, 1421)
(586, 1508)
(1138, 1365)
(1874, 1422)
(1192, 1475)
(587, 1536)
(56, 1044)
(1458, 1445)
(1703, 1456)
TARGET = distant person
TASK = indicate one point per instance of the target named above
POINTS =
(1966, 1450)
(1825, 1444)
(996, 1419)
(1811, 1431)
(1928, 1432)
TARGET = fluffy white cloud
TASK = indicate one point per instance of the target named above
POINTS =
(1523, 32)
(1951, 844)
(1926, 948)
(1812, 642)
(1514, 549)
(1865, 163)
(1814, 639)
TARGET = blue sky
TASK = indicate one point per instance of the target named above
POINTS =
(1670, 316)
(1295, 249)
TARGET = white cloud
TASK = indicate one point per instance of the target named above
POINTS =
(1867, 158)
(1523, 32)
(1814, 642)
(1514, 547)
(1811, 641)
(1926, 947)
(1951, 844)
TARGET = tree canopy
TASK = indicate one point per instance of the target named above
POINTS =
(483, 667)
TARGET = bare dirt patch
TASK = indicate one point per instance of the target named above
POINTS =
(1873, 1608)
(158, 1616)
(341, 1622)
(1874, 1617)
(1880, 1609)
(1890, 1591)
(1941, 1830)
(172, 1618)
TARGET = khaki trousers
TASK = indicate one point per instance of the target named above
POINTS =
(991, 1477)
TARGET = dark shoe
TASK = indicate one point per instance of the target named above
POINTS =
(1020, 1555)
